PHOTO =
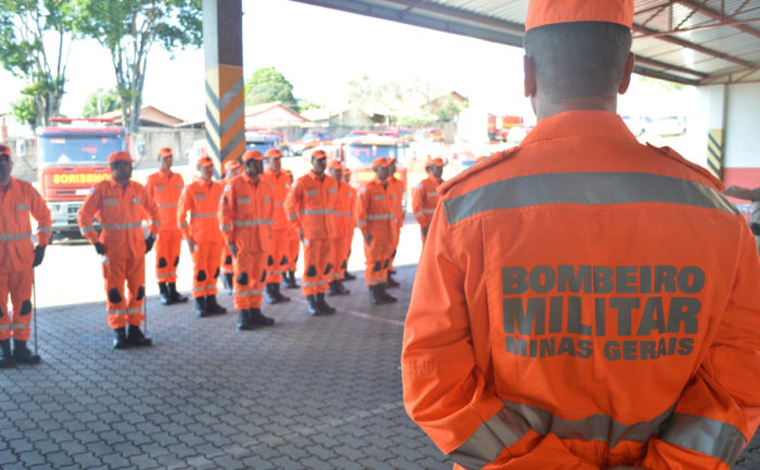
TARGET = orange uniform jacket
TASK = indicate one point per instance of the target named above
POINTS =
(344, 210)
(165, 189)
(596, 303)
(310, 205)
(16, 250)
(376, 212)
(201, 199)
(281, 183)
(246, 213)
(120, 211)
(397, 197)
(424, 200)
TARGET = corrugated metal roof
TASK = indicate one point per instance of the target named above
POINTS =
(698, 42)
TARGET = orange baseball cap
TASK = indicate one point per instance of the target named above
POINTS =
(381, 161)
(335, 164)
(346, 171)
(544, 12)
(5, 150)
(273, 153)
(119, 156)
(205, 161)
(252, 155)
(231, 165)
(165, 152)
(319, 154)
(434, 161)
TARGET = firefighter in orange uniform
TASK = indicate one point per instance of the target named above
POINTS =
(201, 199)
(246, 217)
(425, 195)
(120, 206)
(294, 247)
(584, 301)
(309, 207)
(351, 195)
(232, 168)
(281, 180)
(343, 227)
(18, 257)
(377, 218)
(397, 197)
(164, 187)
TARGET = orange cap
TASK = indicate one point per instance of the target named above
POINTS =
(252, 155)
(434, 161)
(205, 161)
(231, 165)
(120, 156)
(319, 154)
(165, 152)
(5, 150)
(346, 171)
(381, 161)
(544, 12)
(335, 164)
(273, 153)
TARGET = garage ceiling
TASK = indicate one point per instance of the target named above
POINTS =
(696, 42)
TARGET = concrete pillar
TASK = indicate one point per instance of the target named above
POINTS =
(225, 93)
(715, 100)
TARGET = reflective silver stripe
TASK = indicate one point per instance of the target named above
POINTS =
(199, 197)
(332, 190)
(251, 223)
(5, 237)
(374, 282)
(380, 217)
(292, 216)
(177, 186)
(393, 196)
(202, 215)
(5, 327)
(204, 288)
(244, 200)
(116, 312)
(160, 188)
(266, 199)
(361, 223)
(348, 195)
(428, 211)
(248, 293)
(313, 284)
(182, 224)
(133, 311)
(167, 205)
(127, 226)
(225, 228)
(502, 430)
(311, 192)
(44, 229)
(316, 211)
(584, 188)
(707, 436)
(432, 193)
(110, 202)
(136, 200)
(21, 326)
(22, 207)
(88, 228)
(156, 223)
(163, 275)
(279, 204)
(379, 196)
(418, 214)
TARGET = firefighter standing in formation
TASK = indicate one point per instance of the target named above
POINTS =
(232, 168)
(164, 187)
(309, 206)
(351, 195)
(18, 201)
(425, 195)
(120, 206)
(201, 199)
(344, 225)
(281, 180)
(377, 218)
(398, 192)
(246, 217)
(596, 300)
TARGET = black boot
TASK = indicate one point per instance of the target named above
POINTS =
(322, 305)
(311, 305)
(374, 296)
(292, 283)
(387, 298)
(174, 295)
(164, 291)
(227, 281)
(268, 295)
(135, 337)
(22, 354)
(279, 297)
(200, 307)
(337, 288)
(347, 276)
(244, 320)
(212, 307)
(258, 318)
(391, 282)
(120, 339)
(6, 359)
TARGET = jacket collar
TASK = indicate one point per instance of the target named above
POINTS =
(578, 124)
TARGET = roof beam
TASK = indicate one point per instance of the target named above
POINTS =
(718, 17)
(666, 67)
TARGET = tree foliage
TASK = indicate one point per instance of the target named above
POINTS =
(129, 29)
(267, 85)
(101, 101)
(35, 41)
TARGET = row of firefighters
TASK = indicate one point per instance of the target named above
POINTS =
(246, 229)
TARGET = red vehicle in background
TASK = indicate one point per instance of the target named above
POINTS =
(71, 157)
(310, 140)
(499, 126)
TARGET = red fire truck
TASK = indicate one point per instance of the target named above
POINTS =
(499, 126)
(72, 155)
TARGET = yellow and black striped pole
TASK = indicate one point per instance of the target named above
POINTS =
(715, 152)
(225, 91)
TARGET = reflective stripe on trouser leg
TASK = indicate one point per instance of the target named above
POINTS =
(250, 294)
(114, 276)
(279, 246)
(135, 280)
(5, 316)
(317, 254)
(167, 247)
(206, 258)
(376, 254)
(20, 289)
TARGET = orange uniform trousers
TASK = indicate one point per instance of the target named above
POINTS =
(318, 258)
(124, 309)
(342, 250)
(19, 286)
(225, 260)
(250, 274)
(206, 258)
(293, 248)
(379, 255)
(277, 261)
(167, 255)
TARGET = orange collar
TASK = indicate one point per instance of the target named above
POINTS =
(578, 124)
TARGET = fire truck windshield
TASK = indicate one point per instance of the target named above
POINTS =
(366, 153)
(78, 150)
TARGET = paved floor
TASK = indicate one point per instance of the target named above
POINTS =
(308, 393)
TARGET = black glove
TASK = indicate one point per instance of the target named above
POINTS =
(425, 231)
(39, 254)
(149, 243)
(100, 248)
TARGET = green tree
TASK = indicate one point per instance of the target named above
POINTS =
(35, 41)
(267, 85)
(101, 101)
(129, 29)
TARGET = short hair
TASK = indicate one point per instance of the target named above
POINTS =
(578, 60)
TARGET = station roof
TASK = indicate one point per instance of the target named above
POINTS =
(696, 42)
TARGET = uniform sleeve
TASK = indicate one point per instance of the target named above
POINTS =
(360, 210)
(719, 411)
(151, 213)
(226, 214)
(86, 214)
(401, 196)
(293, 203)
(41, 213)
(445, 390)
(150, 187)
(185, 205)
(418, 201)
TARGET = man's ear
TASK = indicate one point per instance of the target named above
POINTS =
(625, 81)
(530, 76)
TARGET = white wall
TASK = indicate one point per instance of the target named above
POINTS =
(743, 126)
